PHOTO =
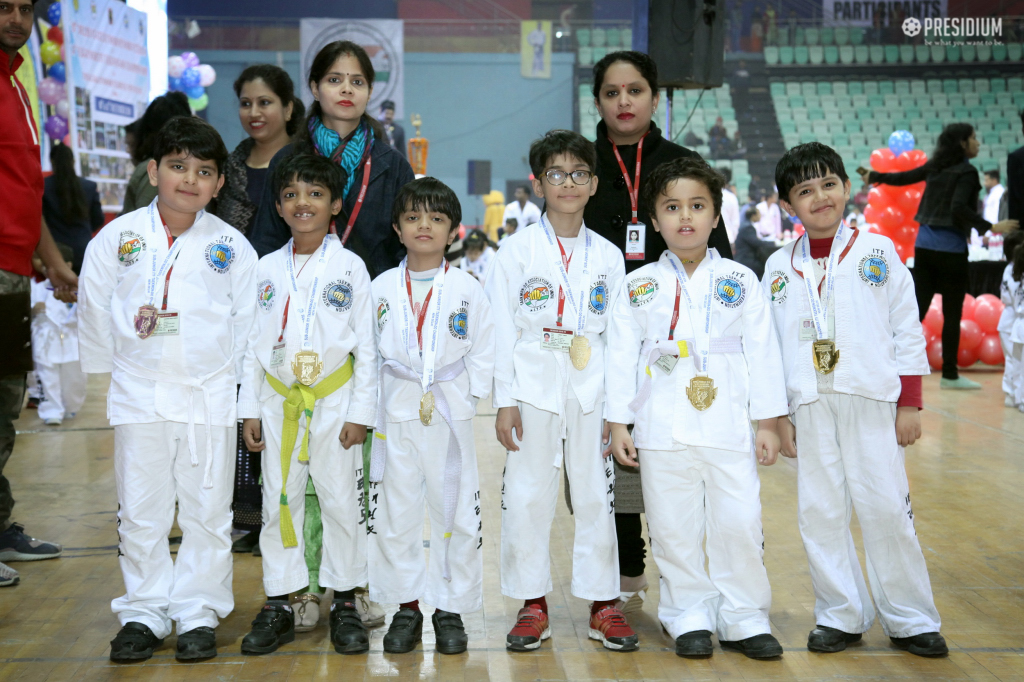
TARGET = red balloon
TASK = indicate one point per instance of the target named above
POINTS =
(994, 300)
(904, 162)
(935, 353)
(928, 335)
(918, 186)
(909, 200)
(966, 358)
(56, 35)
(970, 335)
(936, 302)
(991, 351)
(883, 160)
(918, 157)
(878, 198)
(987, 315)
(872, 213)
(908, 252)
(933, 320)
(891, 218)
(874, 229)
(969, 304)
(905, 234)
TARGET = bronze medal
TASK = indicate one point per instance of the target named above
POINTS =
(306, 366)
(701, 392)
(427, 408)
(579, 352)
(145, 321)
(826, 355)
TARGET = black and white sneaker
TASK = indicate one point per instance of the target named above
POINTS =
(15, 545)
(8, 576)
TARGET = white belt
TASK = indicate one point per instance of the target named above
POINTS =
(453, 461)
(655, 349)
(193, 384)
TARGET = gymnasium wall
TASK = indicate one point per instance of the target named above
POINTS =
(508, 110)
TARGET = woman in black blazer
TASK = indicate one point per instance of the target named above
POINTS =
(71, 205)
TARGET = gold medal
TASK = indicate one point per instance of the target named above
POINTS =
(701, 392)
(579, 352)
(427, 408)
(826, 355)
(306, 366)
(145, 321)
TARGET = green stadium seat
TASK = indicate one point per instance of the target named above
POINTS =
(807, 136)
(912, 114)
(777, 88)
(972, 99)
(984, 53)
(944, 114)
(922, 53)
(815, 115)
(870, 87)
(791, 140)
(583, 37)
(823, 87)
(846, 54)
(585, 56)
(1008, 137)
(808, 89)
(892, 54)
(965, 85)
(771, 55)
(840, 140)
(1014, 84)
(876, 101)
(999, 52)
(786, 55)
(1013, 52)
(870, 128)
(812, 36)
(741, 166)
(798, 114)
(982, 85)
(798, 36)
(892, 102)
(956, 100)
(934, 85)
(855, 87)
(831, 54)
(861, 55)
(819, 127)
(848, 114)
(828, 103)
(858, 140)
(856, 35)
(828, 35)
(938, 53)
(783, 35)
(918, 88)
(906, 54)
(792, 88)
(835, 127)
(816, 54)
(599, 37)
(852, 126)
(940, 100)
(961, 113)
(787, 126)
(839, 88)
(627, 38)
(934, 126)
(902, 88)
(983, 127)
(1000, 124)
(842, 102)
(952, 53)
(865, 113)
(969, 52)
(886, 87)
(842, 36)
(614, 37)
(977, 113)
(877, 53)
(949, 86)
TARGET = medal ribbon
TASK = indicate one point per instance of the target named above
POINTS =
(308, 313)
(359, 200)
(819, 309)
(287, 302)
(561, 292)
(675, 312)
(632, 187)
(428, 353)
(576, 301)
(174, 248)
(422, 316)
(701, 337)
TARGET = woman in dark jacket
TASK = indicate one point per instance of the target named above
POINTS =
(71, 205)
(339, 128)
(948, 211)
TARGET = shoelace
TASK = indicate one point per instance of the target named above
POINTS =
(615, 617)
(529, 619)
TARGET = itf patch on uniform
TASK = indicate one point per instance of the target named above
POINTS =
(535, 294)
(266, 295)
(220, 255)
(130, 246)
(729, 291)
(779, 283)
(874, 270)
(458, 324)
(642, 291)
(598, 298)
(383, 312)
(338, 295)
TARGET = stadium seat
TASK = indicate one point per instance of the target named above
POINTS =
(798, 114)
(771, 55)
(839, 88)
(999, 52)
(583, 37)
(934, 86)
(949, 86)
(1000, 124)
(934, 126)
(877, 53)
(870, 128)
(870, 87)
(912, 114)
(819, 127)
(823, 87)
(846, 54)
(952, 53)
(812, 36)
(791, 139)
(831, 54)
(918, 88)
(956, 100)
(969, 52)
(840, 140)
(786, 55)
(922, 53)
(1013, 52)
(983, 127)
(787, 126)
(828, 102)
(741, 166)
(797, 101)
(808, 136)
(906, 54)
(798, 36)
(861, 54)
(858, 140)
(599, 53)
(828, 36)
(965, 85)
(938, 53)
(842, 36)
(777, 88)
(982, 85)
(808, 89)
(1008, 137)
(972, 99)
(940, 100)
(784, 35)
(876, 101)
(613, 37)
(585, 55)
(902, 88)
(852, 126)
(984, 53)
(886, 87)
(892, 54)
(856, 35)
(835, 127)
(1013, 84)
(961, 113)
(598, 37)
(815, 115)
(977, 113)
(792, 88)
(816, 54)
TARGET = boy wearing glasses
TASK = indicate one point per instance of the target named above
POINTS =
(548, 288)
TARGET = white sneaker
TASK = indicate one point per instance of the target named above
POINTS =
(8, 576)
(307, 611)
(53, 421)
(370, 612)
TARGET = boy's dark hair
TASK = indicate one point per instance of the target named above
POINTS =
(474, 240)
(311, 168)
(158, 113)
(993, 173)
(514, 222)
(805, 162)
(557, 142)
(427, 194)
(1013, 251)
(692, 168)
(193, 136)
(751, 212)
(643, 63)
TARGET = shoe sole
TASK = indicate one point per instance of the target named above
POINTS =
(375, 623)
(134, 657)
(11, 555)
(250, 650)
(197, 656)
(449, 651)
(614, 646)
(348, 649)
(925, 653)
(530, 646)
(706, 650)
(10, 583)
(756, 655)
(836, 648)
(392, 649)
(306, 628)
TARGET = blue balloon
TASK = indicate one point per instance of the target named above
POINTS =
(53, 13)
(190, 78)
(57, 72)
(174, 84)
(901, 141)
(195, 92)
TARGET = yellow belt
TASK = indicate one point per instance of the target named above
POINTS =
(298, 400)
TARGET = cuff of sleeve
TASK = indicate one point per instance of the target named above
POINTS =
(620, 417)
(248, 409)
(479, 391)
(365, 417)
(910, 392)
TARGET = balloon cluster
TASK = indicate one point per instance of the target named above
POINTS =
(979, 339)
(891, 209)
(185, 74)
(53, 89)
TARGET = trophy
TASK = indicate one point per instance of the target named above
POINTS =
(418, 147)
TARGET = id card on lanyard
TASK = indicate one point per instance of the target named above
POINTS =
(636, 232)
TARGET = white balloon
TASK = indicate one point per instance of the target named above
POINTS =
(175, 66)
(206, 75)
(63, 108)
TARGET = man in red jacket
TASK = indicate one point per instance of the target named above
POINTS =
(22, 232)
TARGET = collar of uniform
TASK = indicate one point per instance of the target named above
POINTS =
(792, 253)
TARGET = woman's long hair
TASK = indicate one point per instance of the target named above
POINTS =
(278, 80)
(160, 111)
(70, 197)
(949, 149)
(322, 63)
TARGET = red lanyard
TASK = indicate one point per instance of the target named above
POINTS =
(561, 293)
(167, 279)
(359, 202)
(632, 187)
(422, 316)
(287, 301)
(675, 312)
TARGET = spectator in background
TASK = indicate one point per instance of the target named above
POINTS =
(522, 209)
(477, 255)
(691, 139)
(751, 250)
(718, 140)
(511, 225)
(739, 147)
(770, 224)
(71, 205)
(1015, 181)
(392, 129)
(771, 30)
(730, 205)
(140, 192)
(993, 195)
(757, 31)
(860, 199)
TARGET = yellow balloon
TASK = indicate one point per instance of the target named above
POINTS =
(49, 52)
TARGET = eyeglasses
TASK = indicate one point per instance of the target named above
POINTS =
(558, 177)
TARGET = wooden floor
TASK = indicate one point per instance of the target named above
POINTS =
(967, 478)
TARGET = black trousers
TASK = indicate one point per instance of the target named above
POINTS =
(629, 531)
(945, 273)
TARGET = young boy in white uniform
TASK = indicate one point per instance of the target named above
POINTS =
(549, 286)
(310, 375)
(1011, 321)
(854, 354)
(55, 351)
(436, 344)
(696, 359)
(165, 305)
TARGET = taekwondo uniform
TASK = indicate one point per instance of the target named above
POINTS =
(1011, 336)
(55, 354)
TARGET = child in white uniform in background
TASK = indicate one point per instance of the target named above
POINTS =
(854, 354)
(436, 345)
(553, 278)
(1011, 321)
(55, 352)
(310, 374)
(165, 305)
(696, 359)
(477, 256)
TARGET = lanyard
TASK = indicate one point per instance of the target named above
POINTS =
(422, 316)
(428, 352)
(308, 313)
(702, 337)
(561, 292)
(173, 249)
(576, 301)
(359, 201)
(632, 187)
(287, 302)
(819, 309)
(675, 312)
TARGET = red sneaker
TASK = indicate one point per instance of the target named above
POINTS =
(609, 627)
(530, 630)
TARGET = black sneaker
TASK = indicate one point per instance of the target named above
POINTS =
(405, 631)
(16, 546)
(758, 646)
(348, 634)
(134, 642)
(449, 632)
(828, 640)
(926, 644)
(274, 626)
(246, 543)
(197, 644)
(696, 644)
